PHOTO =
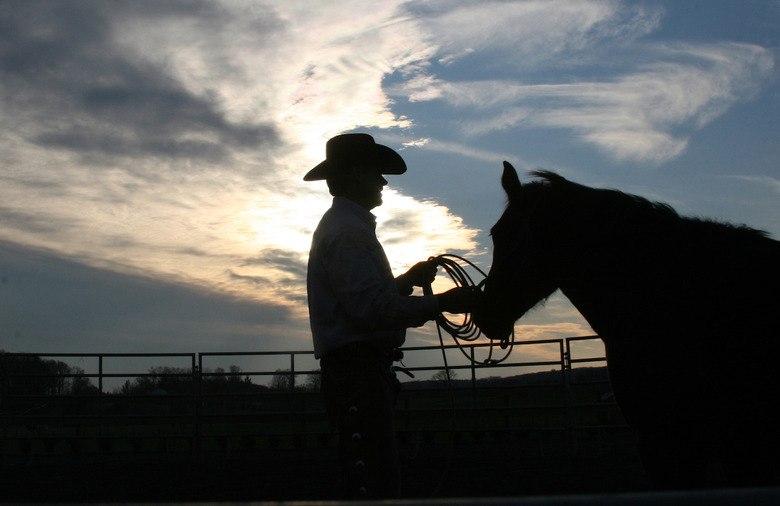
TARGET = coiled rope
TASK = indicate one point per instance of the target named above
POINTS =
(464, 331)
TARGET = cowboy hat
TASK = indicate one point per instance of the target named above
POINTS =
(344, 150)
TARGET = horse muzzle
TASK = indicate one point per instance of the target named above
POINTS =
(490, 324)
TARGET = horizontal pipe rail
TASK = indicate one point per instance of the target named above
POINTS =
(206, 407)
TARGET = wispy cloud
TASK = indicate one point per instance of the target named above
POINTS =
(112, 101)
(634, 116)
(56, 304)
(646, 110)
(524, 35)
(765, 181)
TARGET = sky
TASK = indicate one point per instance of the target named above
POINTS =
(153, 151)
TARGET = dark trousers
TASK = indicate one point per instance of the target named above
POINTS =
(360, 394)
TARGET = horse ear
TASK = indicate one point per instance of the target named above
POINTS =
(510, 181)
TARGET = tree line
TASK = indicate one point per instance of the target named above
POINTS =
(31, 375)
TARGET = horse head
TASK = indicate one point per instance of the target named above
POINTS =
(522, 273)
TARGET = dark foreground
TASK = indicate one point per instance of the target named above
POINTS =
(506, 468)
(513, 470)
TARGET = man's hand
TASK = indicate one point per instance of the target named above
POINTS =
(458, 300)
(421, 274)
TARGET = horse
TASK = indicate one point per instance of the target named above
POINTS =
(686, 308)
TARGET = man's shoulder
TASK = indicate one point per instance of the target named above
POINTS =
(341, 218)
(335, 228)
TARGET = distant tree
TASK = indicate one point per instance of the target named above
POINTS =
(282, 380)
(224, 381)
(175, 380)
(235, 375)
(170, 379)
(125, 389)
(312, 383)
(32, 375)
(442, 375)
(80, 385)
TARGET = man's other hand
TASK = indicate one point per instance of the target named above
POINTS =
(458, 300)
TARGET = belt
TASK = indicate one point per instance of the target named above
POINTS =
(362, 351)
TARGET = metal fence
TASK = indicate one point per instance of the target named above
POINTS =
(110, 403)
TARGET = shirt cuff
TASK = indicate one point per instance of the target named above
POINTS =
(432, 305)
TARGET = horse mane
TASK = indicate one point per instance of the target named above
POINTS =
(653, 211)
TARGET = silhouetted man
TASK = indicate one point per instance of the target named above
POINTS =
(359, 312)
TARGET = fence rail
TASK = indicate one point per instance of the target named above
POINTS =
(60, 402)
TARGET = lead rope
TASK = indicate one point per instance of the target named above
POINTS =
(466, 331)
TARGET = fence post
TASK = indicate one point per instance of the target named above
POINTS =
(292, 374)
(571, 436)
(197, 425)
(293, 398)
(473, 379)
(101, 412)
(3, 400)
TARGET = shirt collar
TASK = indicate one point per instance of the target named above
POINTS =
(343, 203)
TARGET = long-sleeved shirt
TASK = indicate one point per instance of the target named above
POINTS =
(353, 295)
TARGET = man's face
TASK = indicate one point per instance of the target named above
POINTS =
(369, 183)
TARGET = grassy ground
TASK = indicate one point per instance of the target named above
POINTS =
(515, 465)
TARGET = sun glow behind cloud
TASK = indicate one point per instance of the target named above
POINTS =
(214, 221)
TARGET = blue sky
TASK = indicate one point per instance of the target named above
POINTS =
(153, 150)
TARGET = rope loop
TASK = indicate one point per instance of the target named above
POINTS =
(465, 330)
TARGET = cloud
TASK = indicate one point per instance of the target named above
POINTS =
(338, 65)
(286, 260)
(51, 303)
(275, 271)
(649, 97)
(762, 181)
(38, 223)
(527, 34)
(174, 133)
(411, 231)
(637, 116)
(468, 151)
(109, 101)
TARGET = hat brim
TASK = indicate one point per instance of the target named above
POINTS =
(379, 156)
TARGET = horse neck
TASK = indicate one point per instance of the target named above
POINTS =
(603, 261)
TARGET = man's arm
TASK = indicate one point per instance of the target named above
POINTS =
(455, 300)
(368, 294)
